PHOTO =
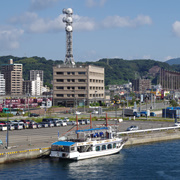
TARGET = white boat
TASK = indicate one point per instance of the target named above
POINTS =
(88, 144)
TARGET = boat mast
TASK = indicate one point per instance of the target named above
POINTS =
(106, 120)
(90, 122)
(77, 127)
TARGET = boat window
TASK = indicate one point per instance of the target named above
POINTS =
(54, 148)
(64, 148)
(114, 145)
(109, 146)
(72, 148)
(98, 148)
(103, 147)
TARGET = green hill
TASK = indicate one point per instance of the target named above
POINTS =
(117, 71)
(173, 61)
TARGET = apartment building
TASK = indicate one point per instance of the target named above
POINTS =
(77, 85)
(2, 85)
(13, 77)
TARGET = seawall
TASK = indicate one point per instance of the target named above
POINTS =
(24, 154)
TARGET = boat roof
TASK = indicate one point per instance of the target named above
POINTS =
(63, 143)
(93, 129)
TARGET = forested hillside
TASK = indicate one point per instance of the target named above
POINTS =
(117, 71)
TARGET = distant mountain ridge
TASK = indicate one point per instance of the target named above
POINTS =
(117, 71)
(173, 61)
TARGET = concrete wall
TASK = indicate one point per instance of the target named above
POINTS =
(25, 154)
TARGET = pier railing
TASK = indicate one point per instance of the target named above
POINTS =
(148, 130)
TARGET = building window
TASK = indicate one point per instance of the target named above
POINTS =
(81, 72)
(68, 87)
(59, 87)
(82, 88)
(59, 72)
(81, 95)
(60, 80)
(59, 95)
(81, 80)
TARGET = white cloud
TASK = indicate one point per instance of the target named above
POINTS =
(27, 17)
(42, 4)
(93, 3)
(176, 28)
(34, 24)
(83, 23)
(117, 21)
(9, 38)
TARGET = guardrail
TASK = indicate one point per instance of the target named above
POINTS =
(147, 130)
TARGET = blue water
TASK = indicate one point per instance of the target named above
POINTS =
(152, 161)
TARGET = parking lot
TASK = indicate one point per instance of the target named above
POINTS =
(43, 137)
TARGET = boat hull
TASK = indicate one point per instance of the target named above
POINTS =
(85, 155)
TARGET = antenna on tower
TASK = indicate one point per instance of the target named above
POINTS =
(68, 20)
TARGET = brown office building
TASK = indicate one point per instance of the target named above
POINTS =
(13, 78)
(141, 85)
(77, 85)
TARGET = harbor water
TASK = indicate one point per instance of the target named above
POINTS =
(151, 161)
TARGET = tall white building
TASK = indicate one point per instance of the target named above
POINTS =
(36, 88)
(2, 85)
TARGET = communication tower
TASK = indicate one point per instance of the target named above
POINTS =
(69, 52)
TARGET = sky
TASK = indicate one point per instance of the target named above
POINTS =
(127, 29)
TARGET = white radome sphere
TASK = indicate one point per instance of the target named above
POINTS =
(69, 11)
(69, 28)
(69, 19)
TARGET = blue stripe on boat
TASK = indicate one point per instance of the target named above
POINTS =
(63, 143)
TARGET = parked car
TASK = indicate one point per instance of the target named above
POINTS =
(18, 126)
(38, 125)
(177, 124)
(66, 118)
(3, 127)
(78, 112)
(10, 127)
(56, 122)
(131, 128)
(33, 125)
(33, 115)
(50, 124)
(152, 114)
(44, 124)
(81, 122)
(62, 123)
(94, 112)
(87, 121)
(71, 123)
